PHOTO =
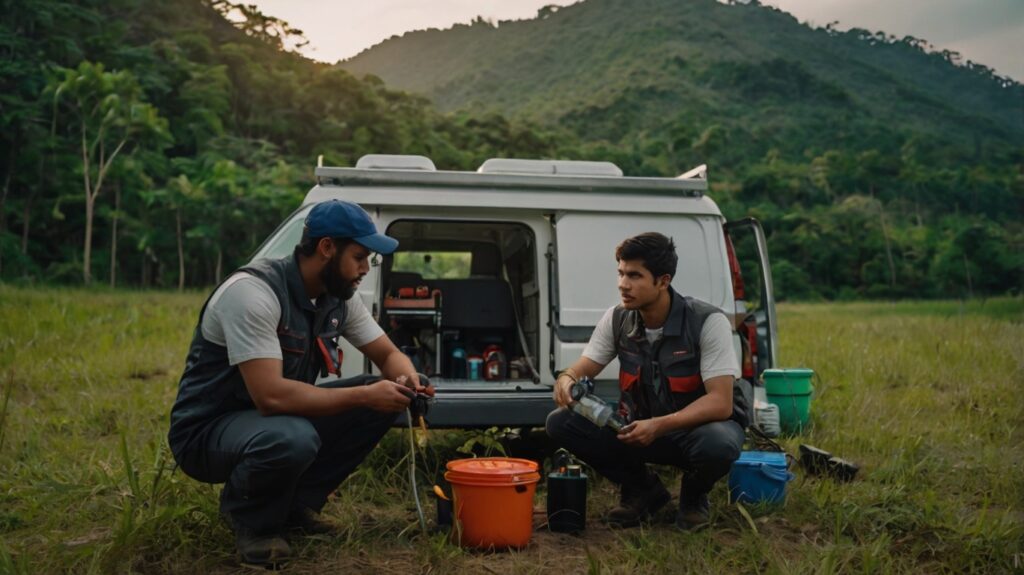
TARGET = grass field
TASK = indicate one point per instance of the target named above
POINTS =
(926, 396)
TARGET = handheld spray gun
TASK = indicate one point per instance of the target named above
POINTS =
(592, 407)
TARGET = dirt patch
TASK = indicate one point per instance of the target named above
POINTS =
(547, 553)
(143, 374)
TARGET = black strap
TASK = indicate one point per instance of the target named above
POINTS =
(618, 318)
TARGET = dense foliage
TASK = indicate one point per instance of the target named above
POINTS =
(149, 142)
(156, 143)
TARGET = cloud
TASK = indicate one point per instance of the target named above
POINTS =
(989, 32)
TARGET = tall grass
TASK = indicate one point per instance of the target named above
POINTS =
(8, 389)
(926, 397)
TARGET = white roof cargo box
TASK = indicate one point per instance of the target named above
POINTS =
(552, 167)
(395, 162)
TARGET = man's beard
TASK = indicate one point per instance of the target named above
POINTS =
(334, 282)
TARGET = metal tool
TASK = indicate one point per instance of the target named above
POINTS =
(593, 407)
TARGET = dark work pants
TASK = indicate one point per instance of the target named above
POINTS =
(704, 453)
(272, 464)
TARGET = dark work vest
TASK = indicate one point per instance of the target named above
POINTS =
(211, 387)
(663, 378)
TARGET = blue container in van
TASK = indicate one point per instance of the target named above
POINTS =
(759, 477)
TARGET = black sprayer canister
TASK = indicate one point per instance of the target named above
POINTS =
(567, 496)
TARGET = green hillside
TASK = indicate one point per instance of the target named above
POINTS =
(610, 69)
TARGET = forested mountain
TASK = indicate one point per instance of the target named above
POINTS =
(176, 134)
(619, 69)
(879, 165)
(155, 143)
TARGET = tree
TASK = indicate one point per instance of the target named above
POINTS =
(181, 192)
(267, 29)
(109, 112)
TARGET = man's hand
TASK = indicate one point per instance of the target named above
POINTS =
(387, 396)
(584, 367)
(412, 381)
(561, 391)
(393, 363)
(641, 433)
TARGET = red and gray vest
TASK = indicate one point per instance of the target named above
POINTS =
(308, 333)
(664, 377)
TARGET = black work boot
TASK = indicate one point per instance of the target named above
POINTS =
(694, 510)
(305, 521)
(638, 502)
(265, 550)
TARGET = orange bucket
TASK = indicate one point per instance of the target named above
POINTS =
(493, 499)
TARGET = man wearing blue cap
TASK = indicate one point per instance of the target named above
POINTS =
(246, 413)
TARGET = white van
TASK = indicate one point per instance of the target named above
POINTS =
(501, 274)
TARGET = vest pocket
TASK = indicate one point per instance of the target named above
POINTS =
(627, 380)
(293, 353)
(291, 343)
(684, 384)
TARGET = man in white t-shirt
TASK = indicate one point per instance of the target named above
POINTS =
(679, 387)
(247, 413)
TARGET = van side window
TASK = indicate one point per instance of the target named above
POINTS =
(283, 241)
(434, 265)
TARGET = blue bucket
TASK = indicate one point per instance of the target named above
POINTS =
(759, 477)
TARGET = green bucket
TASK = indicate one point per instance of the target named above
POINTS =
(791, 390)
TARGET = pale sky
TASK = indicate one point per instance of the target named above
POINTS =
(990, 32)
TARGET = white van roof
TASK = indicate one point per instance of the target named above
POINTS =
(512, 183)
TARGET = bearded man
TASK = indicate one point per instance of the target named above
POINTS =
(247, 413)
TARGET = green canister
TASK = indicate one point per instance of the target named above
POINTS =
(791, 391)
(567, 499)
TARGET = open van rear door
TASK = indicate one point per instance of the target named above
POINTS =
(584, 284)
(748, 252)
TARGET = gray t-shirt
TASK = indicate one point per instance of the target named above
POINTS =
(717, 354)
(244, 312)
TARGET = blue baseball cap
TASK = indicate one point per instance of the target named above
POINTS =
(339, 219)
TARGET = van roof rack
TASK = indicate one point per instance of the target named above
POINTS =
(700, 173)
(380, 170)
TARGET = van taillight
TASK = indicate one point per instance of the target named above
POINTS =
(734, 267)
(748, 327)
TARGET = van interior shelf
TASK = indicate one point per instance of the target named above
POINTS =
(426, 308)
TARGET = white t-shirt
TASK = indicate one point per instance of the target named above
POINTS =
(244, 312)
(717, 354)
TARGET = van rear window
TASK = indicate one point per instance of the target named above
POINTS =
(434, 265)
(587, 284)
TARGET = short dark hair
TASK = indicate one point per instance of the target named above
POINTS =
(307, 245)
(657, 251)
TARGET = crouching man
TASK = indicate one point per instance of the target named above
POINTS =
(247, 415)
(678, 379)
